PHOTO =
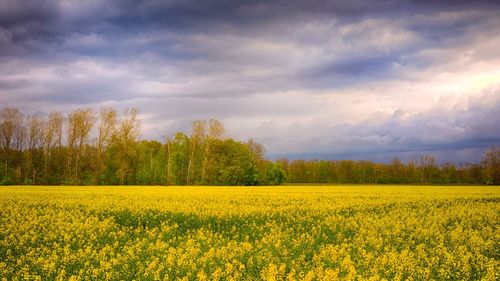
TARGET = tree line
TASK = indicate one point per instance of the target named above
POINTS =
(102, 148)
(87, 147)
(424, 171)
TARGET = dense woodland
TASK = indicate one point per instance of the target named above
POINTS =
(103, 148)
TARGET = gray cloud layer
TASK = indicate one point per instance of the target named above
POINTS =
(334, 78)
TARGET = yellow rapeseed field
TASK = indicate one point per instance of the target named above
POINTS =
(248, 233)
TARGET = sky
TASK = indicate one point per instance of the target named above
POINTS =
(356, 79)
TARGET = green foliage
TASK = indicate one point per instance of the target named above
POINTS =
(6, 181)
(235, 165)
(347, 171)
(151, 159)
(275, 175)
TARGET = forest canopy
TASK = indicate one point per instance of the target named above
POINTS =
(89, 147)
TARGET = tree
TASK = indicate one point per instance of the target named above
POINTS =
(168, 151)
(53, 145)
(80, 123)
(178, 158)
(126, 138)
(198, 133)
(395, 170)
(257, 151)
(428, 168)
(151, 163)
(105, 136)
(35, 140)
(235, 164)
(275, 174)
(215, 132)
(491, 161)
(11, 122)
(448, 173)
(20, 141)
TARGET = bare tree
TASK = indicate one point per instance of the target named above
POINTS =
(71, 146)
(35, 126)
(20, 142)
(396, 170)
(128, 133)
(428, 167)
(80, 123)
(11, 121)
(106, 134)
(198, 131)
(215, 132)
(256, 149)
(53, 138)
(491, 161)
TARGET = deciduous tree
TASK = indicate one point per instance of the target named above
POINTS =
(35, 126)
(11, 122)
(198, 133)
(215, 132)
(80, 124)
(106, 134)
(491, 160)
(53, 145)
(126, 138)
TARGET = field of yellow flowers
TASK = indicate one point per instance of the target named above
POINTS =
(242, 233)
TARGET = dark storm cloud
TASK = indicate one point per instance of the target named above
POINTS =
(27, 13)
(50, 20)
(345, 71)
(279, 69)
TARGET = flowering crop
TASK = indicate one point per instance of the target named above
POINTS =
(242, 233)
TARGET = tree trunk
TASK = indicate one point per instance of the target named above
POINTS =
(33, 172)
(76, 168)
(98, 166)
(190, 163)
(205, 159)
(169, 164)
(45, 164)
(6, 161)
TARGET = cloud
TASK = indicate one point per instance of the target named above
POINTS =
(314, 77)
(466, 123)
